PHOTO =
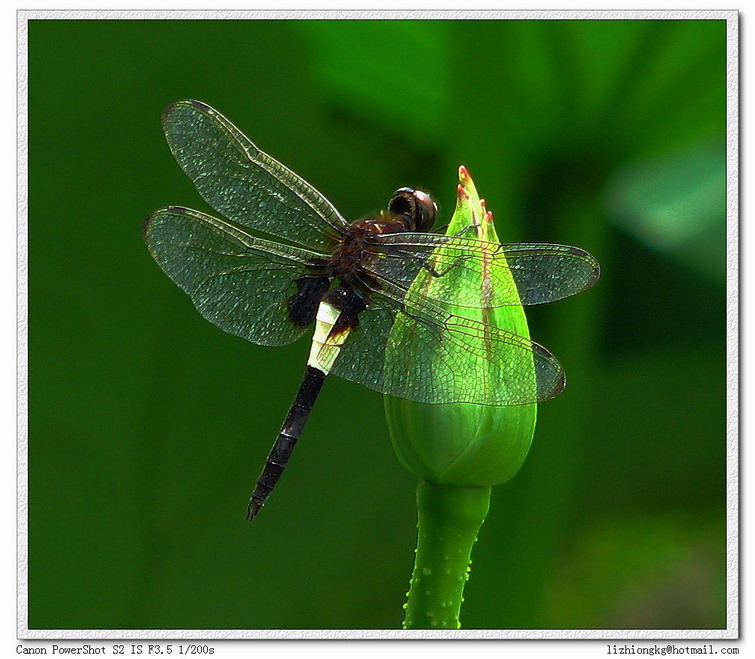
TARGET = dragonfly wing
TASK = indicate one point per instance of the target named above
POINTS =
(245, 184)
(546, 273)
(416, 350)
(239, 283)
(362, 356)
(457, 266)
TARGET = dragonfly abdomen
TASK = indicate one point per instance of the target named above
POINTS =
(289, 434)
(336, 317)
(327, 339)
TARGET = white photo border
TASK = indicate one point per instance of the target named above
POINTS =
(732, 311)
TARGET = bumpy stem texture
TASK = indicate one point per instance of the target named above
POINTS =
(449, 518)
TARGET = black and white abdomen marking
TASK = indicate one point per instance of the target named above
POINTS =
(337, 315)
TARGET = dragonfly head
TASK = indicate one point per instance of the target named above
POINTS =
(416, 208)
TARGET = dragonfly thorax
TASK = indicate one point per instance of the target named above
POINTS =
(346, 261)
(409, 210)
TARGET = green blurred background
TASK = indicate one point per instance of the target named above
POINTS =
(148, 426)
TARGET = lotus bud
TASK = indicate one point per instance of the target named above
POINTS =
(464, 444)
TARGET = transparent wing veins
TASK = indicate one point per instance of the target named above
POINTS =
(521, 273)
(244, 183)
(238, 282)
(442, 358)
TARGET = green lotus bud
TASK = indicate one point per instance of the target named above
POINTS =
(466, 444)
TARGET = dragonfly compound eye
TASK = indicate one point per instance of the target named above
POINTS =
(416, 207)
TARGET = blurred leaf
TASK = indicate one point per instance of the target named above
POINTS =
(392, 73)
(676, 203)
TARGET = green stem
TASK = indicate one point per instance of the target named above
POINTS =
(449, 518)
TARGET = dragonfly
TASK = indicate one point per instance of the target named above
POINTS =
(352, 281)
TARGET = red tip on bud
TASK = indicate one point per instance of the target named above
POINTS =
(489, 216)
(461, 192)
(463, 173)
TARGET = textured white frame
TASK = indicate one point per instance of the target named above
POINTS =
(732, 316)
